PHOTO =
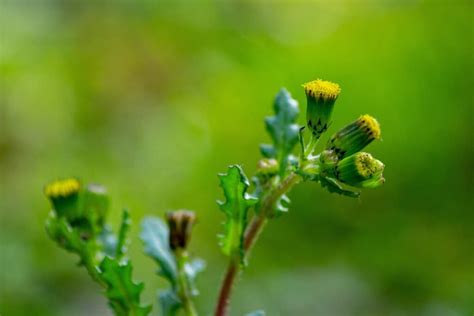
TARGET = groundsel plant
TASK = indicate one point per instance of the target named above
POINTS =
(78, 219)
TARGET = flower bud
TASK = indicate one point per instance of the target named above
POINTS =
(95, 204)
(267, 167)
(321, 96)
(328, 161)
(355, 136)
(64, 195)
(180, 224)
(360, 170)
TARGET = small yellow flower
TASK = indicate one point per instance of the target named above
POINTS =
(62, 188)
(320, 96)
(321, 89)
(371, 125)
(360, 170)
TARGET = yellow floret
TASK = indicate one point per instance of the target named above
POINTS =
(367, 165)
(371, 125)
(322, 89)
(62, 188)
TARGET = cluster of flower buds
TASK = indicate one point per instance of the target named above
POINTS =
(84, 208)
(342, 158)
(180, 224)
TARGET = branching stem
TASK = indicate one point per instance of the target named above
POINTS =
(251, 235)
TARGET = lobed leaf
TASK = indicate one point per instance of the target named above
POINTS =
(170, 303)
(155, 235)
(192, 269)
(122, 292)
(283, 130)
(234, 184)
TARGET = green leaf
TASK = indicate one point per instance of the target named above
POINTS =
(332, 186)
(192, 269)
(121, 247)
(155, 236)
(283, 130)
(122, 292)
(108, 240)
(169, 302)
(235, 185)
(281, 205)
(60, 231)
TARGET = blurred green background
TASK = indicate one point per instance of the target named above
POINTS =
(154, 98)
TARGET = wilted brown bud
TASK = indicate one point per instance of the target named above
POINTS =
(180, 224)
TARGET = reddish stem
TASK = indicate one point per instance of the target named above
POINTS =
(251, 235)
(226, 289)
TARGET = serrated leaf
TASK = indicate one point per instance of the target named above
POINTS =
(155, 236)
(121, 247)
(235, 185)
(122, 292)
(281, 205)
(283, 129)
(169, 302)
(332, 186)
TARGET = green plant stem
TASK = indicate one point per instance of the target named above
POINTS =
(310, 147)
(89, 261)
(252, 233)
(184, 290)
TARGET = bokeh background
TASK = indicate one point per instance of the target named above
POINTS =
(154, 98)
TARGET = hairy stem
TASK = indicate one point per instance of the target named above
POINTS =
(184, 290)
(251, 235)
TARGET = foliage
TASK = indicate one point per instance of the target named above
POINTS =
(100, 251)
(235, 184)
(155, 237)
(77, 222)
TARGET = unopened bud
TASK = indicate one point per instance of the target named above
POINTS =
(327, 162)
(180, 224)
(95, 204)
(267, 167)
(355, 136)
(63, 195)
(321, 96)
(360, 170)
